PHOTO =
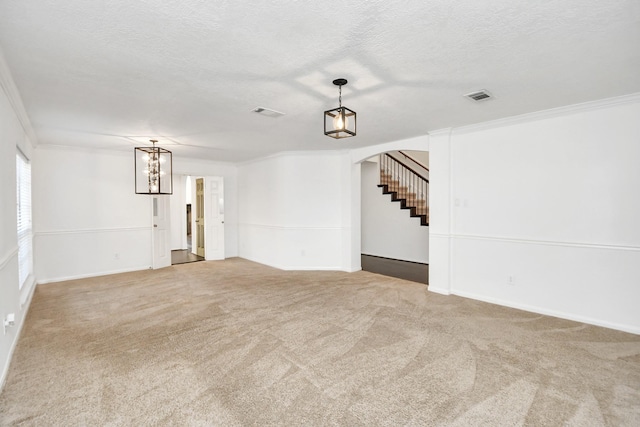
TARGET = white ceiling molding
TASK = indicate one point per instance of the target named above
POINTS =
(305, 153)
(13, 95)
(547, 114)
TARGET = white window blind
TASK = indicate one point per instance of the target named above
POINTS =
(25, 233)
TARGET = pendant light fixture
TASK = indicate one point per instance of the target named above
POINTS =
(340, 122)
(153, 170)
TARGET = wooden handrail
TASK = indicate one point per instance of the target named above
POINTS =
(407, 167)
(413, 160)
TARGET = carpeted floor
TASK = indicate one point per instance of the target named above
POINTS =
(232, 342)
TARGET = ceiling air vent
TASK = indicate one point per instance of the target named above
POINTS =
(480, 95)
(267, 112)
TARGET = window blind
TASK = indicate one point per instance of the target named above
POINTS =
(25, 232)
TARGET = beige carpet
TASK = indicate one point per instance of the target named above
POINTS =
(237, 343)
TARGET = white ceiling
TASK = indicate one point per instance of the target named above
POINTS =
(116, 73)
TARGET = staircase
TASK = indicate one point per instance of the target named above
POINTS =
(406, 186)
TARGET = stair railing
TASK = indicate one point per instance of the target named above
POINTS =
(406, 178)
(406, 156)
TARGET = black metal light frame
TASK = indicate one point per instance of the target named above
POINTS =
(343, 114)
(149, 165)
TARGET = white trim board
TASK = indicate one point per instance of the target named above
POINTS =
(542, 242)
(543, 114)
(283, 227)
(85, 276)
(92, 230)
(289, 153)
(8, 257)
(303, 268)
(5, 369)
(553, 313)
(13, 95)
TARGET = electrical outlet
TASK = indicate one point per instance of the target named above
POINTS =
(511, 280)
(9, 321)
(116, 255)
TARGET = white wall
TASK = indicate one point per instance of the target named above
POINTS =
(88, 219)
(178, 203)
(291, 210)
(387, 230)
(421, 156)
(550, 200)
(12, 134)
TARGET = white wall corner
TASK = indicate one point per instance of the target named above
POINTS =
(440, 212)
(13, 95)
(351, 215)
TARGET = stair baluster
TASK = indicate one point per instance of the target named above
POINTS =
(406, 186)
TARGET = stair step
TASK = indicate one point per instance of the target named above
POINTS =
(409, 200)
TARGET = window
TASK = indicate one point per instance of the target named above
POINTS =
(25, 233)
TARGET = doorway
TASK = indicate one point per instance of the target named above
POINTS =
(395, 215)
(197, 219)
(184, 256)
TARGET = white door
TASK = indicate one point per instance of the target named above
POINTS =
(214, 224)
(160, 235)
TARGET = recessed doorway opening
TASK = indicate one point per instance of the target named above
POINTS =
(197, 219)
(183, 256)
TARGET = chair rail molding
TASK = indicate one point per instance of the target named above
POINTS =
(8, 256)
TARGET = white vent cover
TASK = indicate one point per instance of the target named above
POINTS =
(267, 112)
(479, 95)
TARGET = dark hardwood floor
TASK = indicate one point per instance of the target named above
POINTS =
(407, 270)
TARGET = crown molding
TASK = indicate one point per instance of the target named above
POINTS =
(13, 95)
(290, 153)
(550, 113)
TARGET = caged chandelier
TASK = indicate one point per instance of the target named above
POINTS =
(153, 170)
(340, 122)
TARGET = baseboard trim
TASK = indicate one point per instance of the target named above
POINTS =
(96, 274)
(290, 267)
(14, 344)
(440, 291)
(309, 268)
(562, 315)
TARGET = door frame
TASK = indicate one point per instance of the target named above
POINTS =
(209, 205)
(160, 231)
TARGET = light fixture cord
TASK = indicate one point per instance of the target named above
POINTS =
(340, 96)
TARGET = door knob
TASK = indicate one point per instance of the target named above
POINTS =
(155, 225)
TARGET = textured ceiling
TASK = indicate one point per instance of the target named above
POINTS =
(116, 73)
